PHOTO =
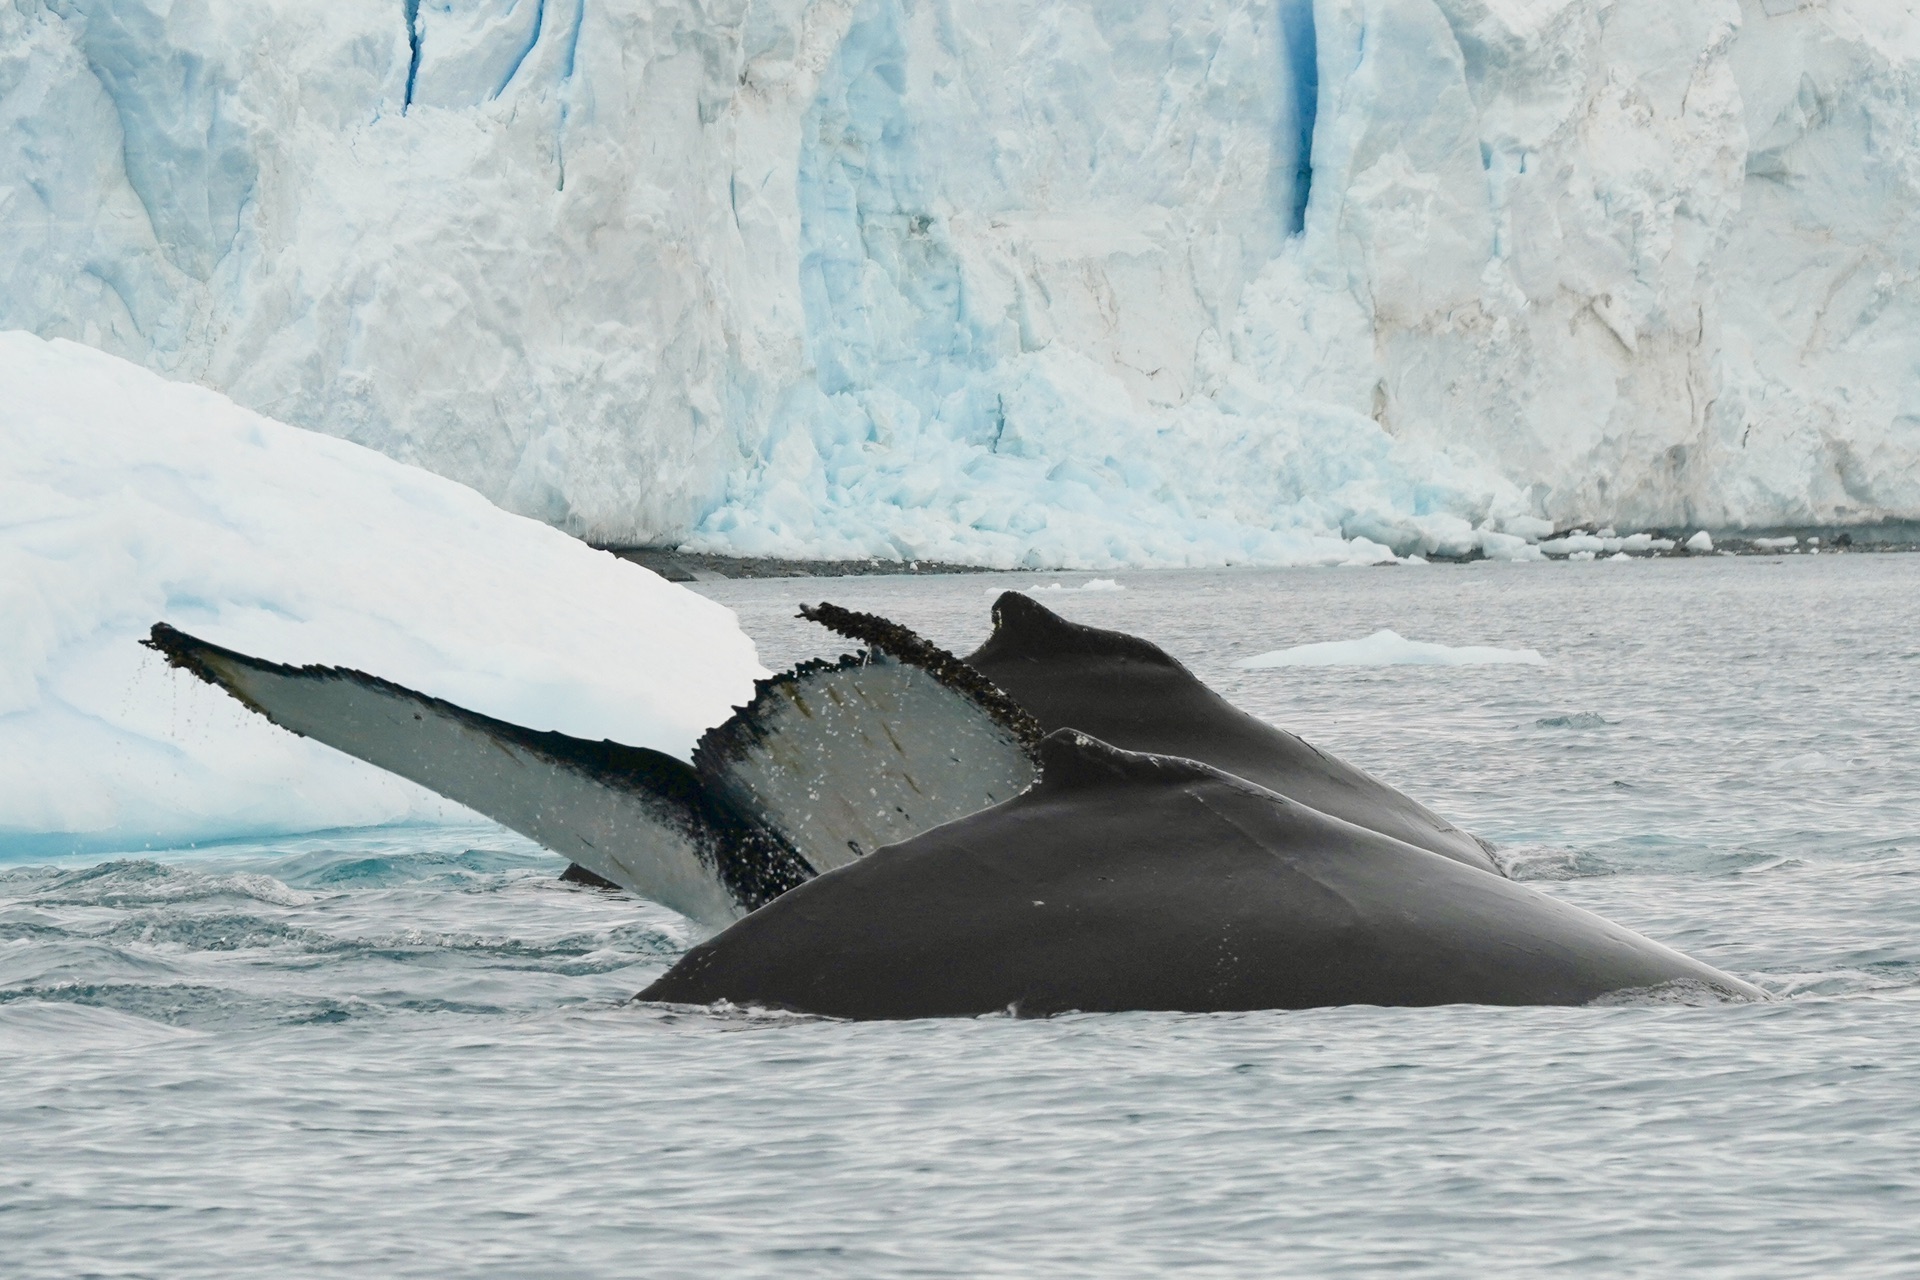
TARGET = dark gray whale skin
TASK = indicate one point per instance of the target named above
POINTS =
(1122, 881)
(1132, 694)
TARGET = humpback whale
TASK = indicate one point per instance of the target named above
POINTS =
(826, 763)
(1128, 881)
(1066, 819)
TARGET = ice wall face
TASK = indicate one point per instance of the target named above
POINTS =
(421, 276)
(1819, 401)
(1005, 327)
(1067, 283)
(1533, 198)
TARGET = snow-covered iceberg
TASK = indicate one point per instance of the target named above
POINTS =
(126, 500)
(1071, 284)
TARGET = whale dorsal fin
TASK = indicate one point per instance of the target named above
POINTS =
(1133, 694)
(1023, 628)
(636, 817)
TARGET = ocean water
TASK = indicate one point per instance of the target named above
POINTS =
(410, 1052)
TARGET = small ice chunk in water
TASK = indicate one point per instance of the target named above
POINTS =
(1532, 528)
(1095, 584)
(1586, 546)
(1775, 544)
(1387, 649)
(1700, 543)
(1576, 720)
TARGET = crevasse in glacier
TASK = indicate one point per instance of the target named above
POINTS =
(1190, 281)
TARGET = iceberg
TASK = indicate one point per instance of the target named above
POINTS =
(1091, 584)
(1574, 720)
(126, 499)
(1386, 648)
(1617, 547)
(1066, 286)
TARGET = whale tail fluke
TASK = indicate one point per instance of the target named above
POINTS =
(885, 636)
(844, 757)
(635, 817)
(828, 762)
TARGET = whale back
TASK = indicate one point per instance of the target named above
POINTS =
(1130, 693)
(1123, 881)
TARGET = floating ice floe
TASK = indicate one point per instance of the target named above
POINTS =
(1777, 544)
(1700, 543)
(1389, 648)
(126, 499)
(1585, 546)
(1573, 720)
(1095, 584)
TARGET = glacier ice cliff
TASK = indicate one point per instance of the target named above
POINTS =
(1069, 283)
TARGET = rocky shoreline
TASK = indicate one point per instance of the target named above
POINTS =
(1887, 536)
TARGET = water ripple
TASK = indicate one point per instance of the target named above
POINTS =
(413, 1052)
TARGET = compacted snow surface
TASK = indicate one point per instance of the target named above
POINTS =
(405, 1052)
(127, 500)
